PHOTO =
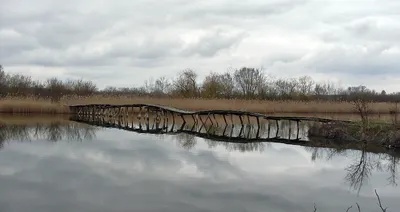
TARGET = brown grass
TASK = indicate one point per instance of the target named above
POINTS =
(31, 105)
(7, 119)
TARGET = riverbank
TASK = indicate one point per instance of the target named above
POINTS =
(356, 133)
(43, 106)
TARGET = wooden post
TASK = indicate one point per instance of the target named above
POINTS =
(241, 130)
(202, 125)
(298, 130)
(147, 121)
(194, 125)
(248, 132)
(184, 121)
(194, 119)
(173, 122)
(173, 118)
(208, 117)
(231, 131)
(241, 121)
(277, 128)
(258, 132)
(223, 133)
(139, 116)
(182, 126)
(209, 128)
(226, 123)
(164, 119)
(140, 125)
(166, 115)
(147, 113)
(215, 119)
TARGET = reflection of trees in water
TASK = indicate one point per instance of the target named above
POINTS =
(392, 169)
(267, 129)
(189, 141)
(53, 131)
(186, 141)
(325, 153)
(359, 171)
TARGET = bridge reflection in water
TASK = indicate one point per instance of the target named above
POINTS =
(283, 131)
(225, 125)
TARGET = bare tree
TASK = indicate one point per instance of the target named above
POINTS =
(161, 86)
(306, 85)
(149, 85)
(185, 85)
(56, 89)
(249, 81)
(228, 85)
(285, 88)
(212, 86)
(360, 98)
(3, 82)
(19, 85)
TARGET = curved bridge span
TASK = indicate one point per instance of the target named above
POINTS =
(160, 110)
(163, 115)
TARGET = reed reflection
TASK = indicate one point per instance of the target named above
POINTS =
(52, 131)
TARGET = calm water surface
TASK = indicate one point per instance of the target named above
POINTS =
(70, 167)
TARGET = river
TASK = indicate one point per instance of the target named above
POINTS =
(60, 165)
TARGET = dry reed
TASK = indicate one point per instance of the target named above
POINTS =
(31, 105)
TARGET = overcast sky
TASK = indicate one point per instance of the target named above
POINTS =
(123, 42)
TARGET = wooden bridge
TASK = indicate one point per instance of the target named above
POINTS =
(115, 111)
(165, 115)
(221, 133)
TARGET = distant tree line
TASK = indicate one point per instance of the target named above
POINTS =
(242, 83)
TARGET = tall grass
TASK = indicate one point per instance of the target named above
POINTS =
(32, 106)
(46, 106)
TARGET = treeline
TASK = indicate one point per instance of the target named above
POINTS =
(17, 85)
(243, 83)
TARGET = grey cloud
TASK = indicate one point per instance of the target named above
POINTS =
(13, 43)
(290, 36)
(356, 61)
(243, 10)
(385, 29)
(210, 44)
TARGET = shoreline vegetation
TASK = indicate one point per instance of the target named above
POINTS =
(318, 107)
(372, 135)
(244, 88)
